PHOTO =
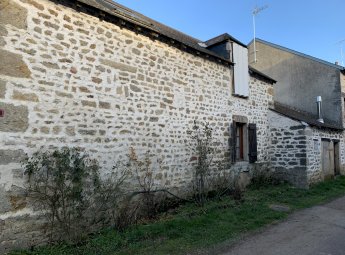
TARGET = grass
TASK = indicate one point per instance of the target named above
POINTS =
(190, 228)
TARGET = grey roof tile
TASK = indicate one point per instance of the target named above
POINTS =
(306, 117)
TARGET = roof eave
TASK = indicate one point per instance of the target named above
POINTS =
(221, 38)
(313, 124)
(124, 22)
(262, 75)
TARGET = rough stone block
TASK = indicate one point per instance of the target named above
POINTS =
(154, 119)
(13, 14)
(70, 131)
(17, 197)
(297, 127)
(63, 94)
(5, 205)
(15, 119)
(12, 64)
(96, 80)
(88, 103)
(51, 65)
(135, 88)
(303, 161)
(34, 3)
(119, 66)
(17, 95)
(11, 156)
(2, 88)
(3, 32)
(104, 105)
(270, 91)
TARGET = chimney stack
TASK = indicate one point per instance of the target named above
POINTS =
(319, 109)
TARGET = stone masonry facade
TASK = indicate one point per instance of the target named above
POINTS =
(296, 150)
(314, 149)
(69, 79)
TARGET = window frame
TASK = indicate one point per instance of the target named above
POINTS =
(244, 140)
(241, 142)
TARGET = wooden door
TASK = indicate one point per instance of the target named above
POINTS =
(327, 159)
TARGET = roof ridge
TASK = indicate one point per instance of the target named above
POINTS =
(299, 53)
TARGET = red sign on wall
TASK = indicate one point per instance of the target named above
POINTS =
(2, 113)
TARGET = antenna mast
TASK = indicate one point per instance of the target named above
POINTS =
(341, 51)
(256, 11)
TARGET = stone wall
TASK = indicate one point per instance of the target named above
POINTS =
(288, 149)
(296, 150)
(314, 149)
(69, 79)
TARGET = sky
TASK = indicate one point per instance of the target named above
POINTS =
(313, 27)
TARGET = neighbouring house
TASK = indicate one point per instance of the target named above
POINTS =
(96, 75)
(307, 141)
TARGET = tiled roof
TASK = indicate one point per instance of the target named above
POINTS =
(305, 117)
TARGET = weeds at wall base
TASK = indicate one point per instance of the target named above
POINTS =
(189, 228)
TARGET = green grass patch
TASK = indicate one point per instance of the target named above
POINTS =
(190, 228)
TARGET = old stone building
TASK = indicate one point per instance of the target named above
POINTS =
(96, 75)
(307, 145)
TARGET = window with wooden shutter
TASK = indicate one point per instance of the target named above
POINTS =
(239, 142)
(252, 140)
(240, 134)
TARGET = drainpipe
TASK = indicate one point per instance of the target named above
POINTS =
(319, 109)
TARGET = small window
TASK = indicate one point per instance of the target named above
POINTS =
(244, 142)
(240, 141)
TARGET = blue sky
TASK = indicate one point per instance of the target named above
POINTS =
(313, 27)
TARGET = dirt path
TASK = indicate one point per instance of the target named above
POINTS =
(319, 230)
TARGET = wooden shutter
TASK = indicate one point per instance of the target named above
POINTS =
(233, 142)
(241, 76)
(253, 147)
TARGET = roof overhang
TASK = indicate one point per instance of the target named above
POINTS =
(126, 18)
(223, 38)
(308, 118)
(261, 75)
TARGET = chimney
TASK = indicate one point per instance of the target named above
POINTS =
(337, 63)
(319, 109)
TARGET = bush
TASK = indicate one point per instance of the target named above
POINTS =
(209, 177)
(66, 186)
(145, 171)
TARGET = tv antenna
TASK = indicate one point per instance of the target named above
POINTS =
(341, 43)
(256, 11)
